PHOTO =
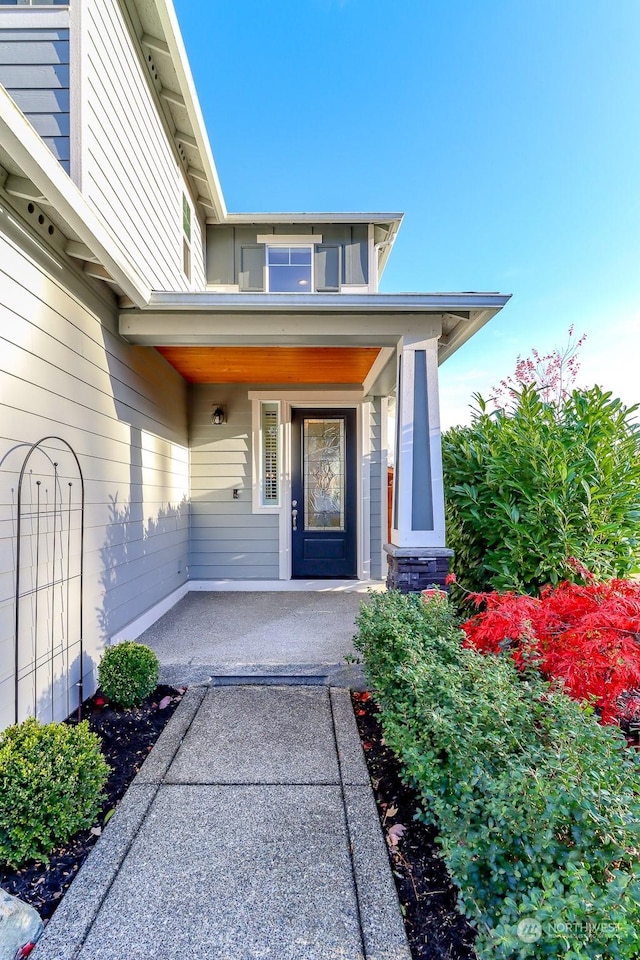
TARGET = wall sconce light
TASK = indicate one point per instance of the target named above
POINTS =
(217, 416)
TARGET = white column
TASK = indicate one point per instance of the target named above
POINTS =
(418, 495)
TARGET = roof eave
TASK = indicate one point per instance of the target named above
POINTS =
(177, 51)
(38, 166)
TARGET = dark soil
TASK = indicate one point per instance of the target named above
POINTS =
(127, 737)
(435, 928)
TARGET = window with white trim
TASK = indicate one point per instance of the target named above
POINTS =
(289, 269)
(267, 439)
(270, 454)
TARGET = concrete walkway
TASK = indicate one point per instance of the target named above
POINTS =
(250, 634)
(250, 832)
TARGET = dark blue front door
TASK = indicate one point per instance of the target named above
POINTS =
(324, 517)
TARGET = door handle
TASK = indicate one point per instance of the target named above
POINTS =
(294, 518)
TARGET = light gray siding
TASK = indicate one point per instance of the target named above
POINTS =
(378, 482)
(65, 371)
(130, 171)
(34, 68)
(227, 539)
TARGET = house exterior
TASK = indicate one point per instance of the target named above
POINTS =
(217, 386)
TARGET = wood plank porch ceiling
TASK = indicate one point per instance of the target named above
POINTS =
(299, 365)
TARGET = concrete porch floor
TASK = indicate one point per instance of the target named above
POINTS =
(242, 636)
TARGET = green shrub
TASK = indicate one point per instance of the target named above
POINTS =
(538, 806)
(128, 673)
(51, 780)
(528, 491)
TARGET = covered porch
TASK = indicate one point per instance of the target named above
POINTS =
(273, 378)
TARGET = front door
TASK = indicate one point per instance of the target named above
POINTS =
(324, 518)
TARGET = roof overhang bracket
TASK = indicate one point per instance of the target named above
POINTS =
(21, 187)
(155, 44)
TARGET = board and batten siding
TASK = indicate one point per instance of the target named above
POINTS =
(64, 371)
(235, 257)
(227, 539)
(129, 169)
(34, 69)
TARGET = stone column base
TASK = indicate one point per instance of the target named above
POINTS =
(412, 569)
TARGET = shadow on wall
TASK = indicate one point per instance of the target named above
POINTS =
(142, 561)
(143, 556)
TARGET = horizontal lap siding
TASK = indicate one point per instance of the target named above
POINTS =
(64, 371)
(227, 539)
(34, 68)
(130, 171)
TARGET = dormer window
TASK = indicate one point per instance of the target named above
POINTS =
(289, 269)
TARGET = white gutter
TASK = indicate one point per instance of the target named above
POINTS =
(37, 163)
(325, 302)
(249, 218)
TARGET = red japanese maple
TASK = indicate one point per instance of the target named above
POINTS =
(587, 636)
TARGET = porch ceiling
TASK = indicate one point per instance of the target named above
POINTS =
(299, 365)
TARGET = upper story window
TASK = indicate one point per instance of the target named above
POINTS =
(289, 269)
(186, 237)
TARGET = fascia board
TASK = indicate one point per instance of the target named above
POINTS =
(38, 164)
(239, 219)
(173, 38)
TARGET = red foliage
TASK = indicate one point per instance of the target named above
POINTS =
(587, 636)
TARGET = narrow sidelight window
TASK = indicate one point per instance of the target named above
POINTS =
(269, 429)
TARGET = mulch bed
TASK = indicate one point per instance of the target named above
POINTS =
(127, 737)
(435, 929)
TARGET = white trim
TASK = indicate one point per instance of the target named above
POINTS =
(364, 570)
(403, 535)
(78, 54)
(284, 530)
(136, 627)
(256, 436)
(323, 217)
(293, 586)
(287, 246)
(38, 18)
(373, 259)
(224, 287)
(311, 398)
(378, 365)
(384, 465)
(289, 239)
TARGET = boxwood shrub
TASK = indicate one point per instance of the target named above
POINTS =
(127, 673)
(51, 781)
(537, 805)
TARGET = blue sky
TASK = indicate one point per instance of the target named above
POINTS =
(507, 131)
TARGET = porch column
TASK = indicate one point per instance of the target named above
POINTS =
(417, 555)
